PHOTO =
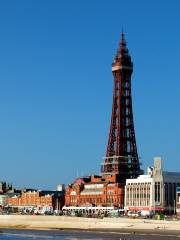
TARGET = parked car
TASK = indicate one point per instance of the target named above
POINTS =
(134, 213)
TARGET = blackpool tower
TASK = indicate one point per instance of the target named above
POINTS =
(121, 161)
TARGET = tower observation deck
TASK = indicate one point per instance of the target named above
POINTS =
(121, 161)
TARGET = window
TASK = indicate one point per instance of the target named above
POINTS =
(157, 192)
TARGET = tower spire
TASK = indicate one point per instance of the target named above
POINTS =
(122, 46)
(122, 38)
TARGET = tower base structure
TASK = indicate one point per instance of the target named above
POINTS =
(95, 191)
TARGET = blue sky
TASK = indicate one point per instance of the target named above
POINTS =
(56, 85)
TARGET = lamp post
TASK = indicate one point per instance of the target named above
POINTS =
(174, 207)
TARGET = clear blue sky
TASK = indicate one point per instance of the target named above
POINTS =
(56, 85)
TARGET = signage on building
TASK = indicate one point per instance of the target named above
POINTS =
(145, 208)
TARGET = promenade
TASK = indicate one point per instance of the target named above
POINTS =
(92, 224)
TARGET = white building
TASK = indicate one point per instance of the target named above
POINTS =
(153, 192)
(3, 201)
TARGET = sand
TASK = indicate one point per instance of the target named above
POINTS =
(91, 224)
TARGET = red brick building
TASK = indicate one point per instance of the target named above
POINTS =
(34, 198)
(94, 191)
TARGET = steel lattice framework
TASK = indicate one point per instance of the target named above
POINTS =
(121, 156)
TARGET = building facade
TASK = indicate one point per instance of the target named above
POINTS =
(5, 187)
(153, 192)
(3, 200)
(92, 191)
(178, 201)
(32, 198)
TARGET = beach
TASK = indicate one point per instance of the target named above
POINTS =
(89, 224)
